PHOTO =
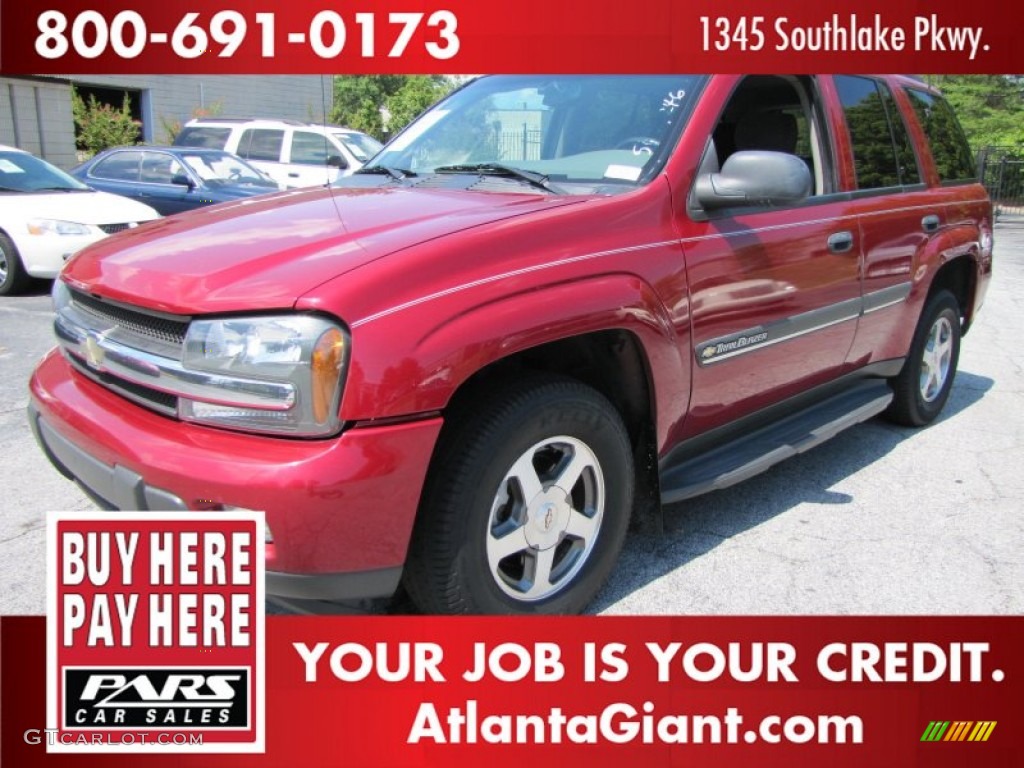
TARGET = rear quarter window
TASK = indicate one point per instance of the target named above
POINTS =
(261, 144)
(950, 151)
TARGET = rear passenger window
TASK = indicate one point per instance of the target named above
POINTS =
(120, 166)
(952, 155)
(309, 148)
(261, 144)
(882, 152)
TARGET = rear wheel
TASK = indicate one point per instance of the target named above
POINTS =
(527, 504)
(13, 277)
(922, 387)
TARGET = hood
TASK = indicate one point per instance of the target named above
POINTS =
(265, 252)
(85, 207)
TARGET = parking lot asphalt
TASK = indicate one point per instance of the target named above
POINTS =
(880, 520)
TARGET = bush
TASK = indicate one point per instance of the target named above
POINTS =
(172, 127)
(98, 126)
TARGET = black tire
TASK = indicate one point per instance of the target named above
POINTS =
(13, 278)
(530, 436)
(921, 389)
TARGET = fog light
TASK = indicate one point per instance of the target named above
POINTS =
(239, 417)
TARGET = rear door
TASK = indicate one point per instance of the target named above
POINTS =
(898, 213)
(263, 148)
(118, 173)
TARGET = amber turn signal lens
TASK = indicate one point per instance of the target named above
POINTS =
(328, 356)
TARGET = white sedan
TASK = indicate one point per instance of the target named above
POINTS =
(46, 216)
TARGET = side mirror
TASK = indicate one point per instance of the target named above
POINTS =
(754, 178)
(182, 180)
(336, 161)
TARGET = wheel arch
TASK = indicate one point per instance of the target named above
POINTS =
(613, 362)
(959, 276)
(608, 331)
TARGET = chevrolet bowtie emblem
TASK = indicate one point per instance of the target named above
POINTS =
(94, 353)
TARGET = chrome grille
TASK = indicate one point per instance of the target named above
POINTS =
(112, 228)
(159, 401)
(162, 329)
(139, 354)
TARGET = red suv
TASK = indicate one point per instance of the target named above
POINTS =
(547, 305)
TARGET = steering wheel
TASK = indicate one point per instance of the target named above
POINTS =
(639, 144)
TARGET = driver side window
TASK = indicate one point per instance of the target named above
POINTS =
(778, 113)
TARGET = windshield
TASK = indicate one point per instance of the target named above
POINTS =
(22, 172)
(584, 133)
(361, 146)
(225, 168)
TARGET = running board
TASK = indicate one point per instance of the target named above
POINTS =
(756, 451)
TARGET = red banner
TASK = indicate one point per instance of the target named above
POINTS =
(465, 36)
(647, 691)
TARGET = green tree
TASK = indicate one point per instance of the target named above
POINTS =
(416, 94)
(990, 107)
(98, 126)
(362, 101)
(359, 99)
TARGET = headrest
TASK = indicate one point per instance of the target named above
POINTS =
(774, 130)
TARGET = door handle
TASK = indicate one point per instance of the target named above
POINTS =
(840, 242)
(930, 223)
(293, 175)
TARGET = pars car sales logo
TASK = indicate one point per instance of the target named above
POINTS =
(155, 639)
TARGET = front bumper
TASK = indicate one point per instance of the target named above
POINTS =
(341, 510)
(43, 256)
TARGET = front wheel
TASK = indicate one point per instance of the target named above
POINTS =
(13, 278)
(922, 387)
(527, 504)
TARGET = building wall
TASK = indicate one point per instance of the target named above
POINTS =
(35, 113)
(174, 98)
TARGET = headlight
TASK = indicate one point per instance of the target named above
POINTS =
(60, 295)
(57, 227)
(307, 352)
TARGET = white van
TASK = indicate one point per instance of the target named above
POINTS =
(293, 153)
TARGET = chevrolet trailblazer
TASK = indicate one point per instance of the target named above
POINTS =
(547, 305)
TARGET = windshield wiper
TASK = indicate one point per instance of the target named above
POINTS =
(398, 174)
(534, 179)
(10, 189)
(60, 189)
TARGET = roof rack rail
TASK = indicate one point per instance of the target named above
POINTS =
(219, 119)
(283, 120)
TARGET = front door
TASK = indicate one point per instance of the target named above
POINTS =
(774, 291)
